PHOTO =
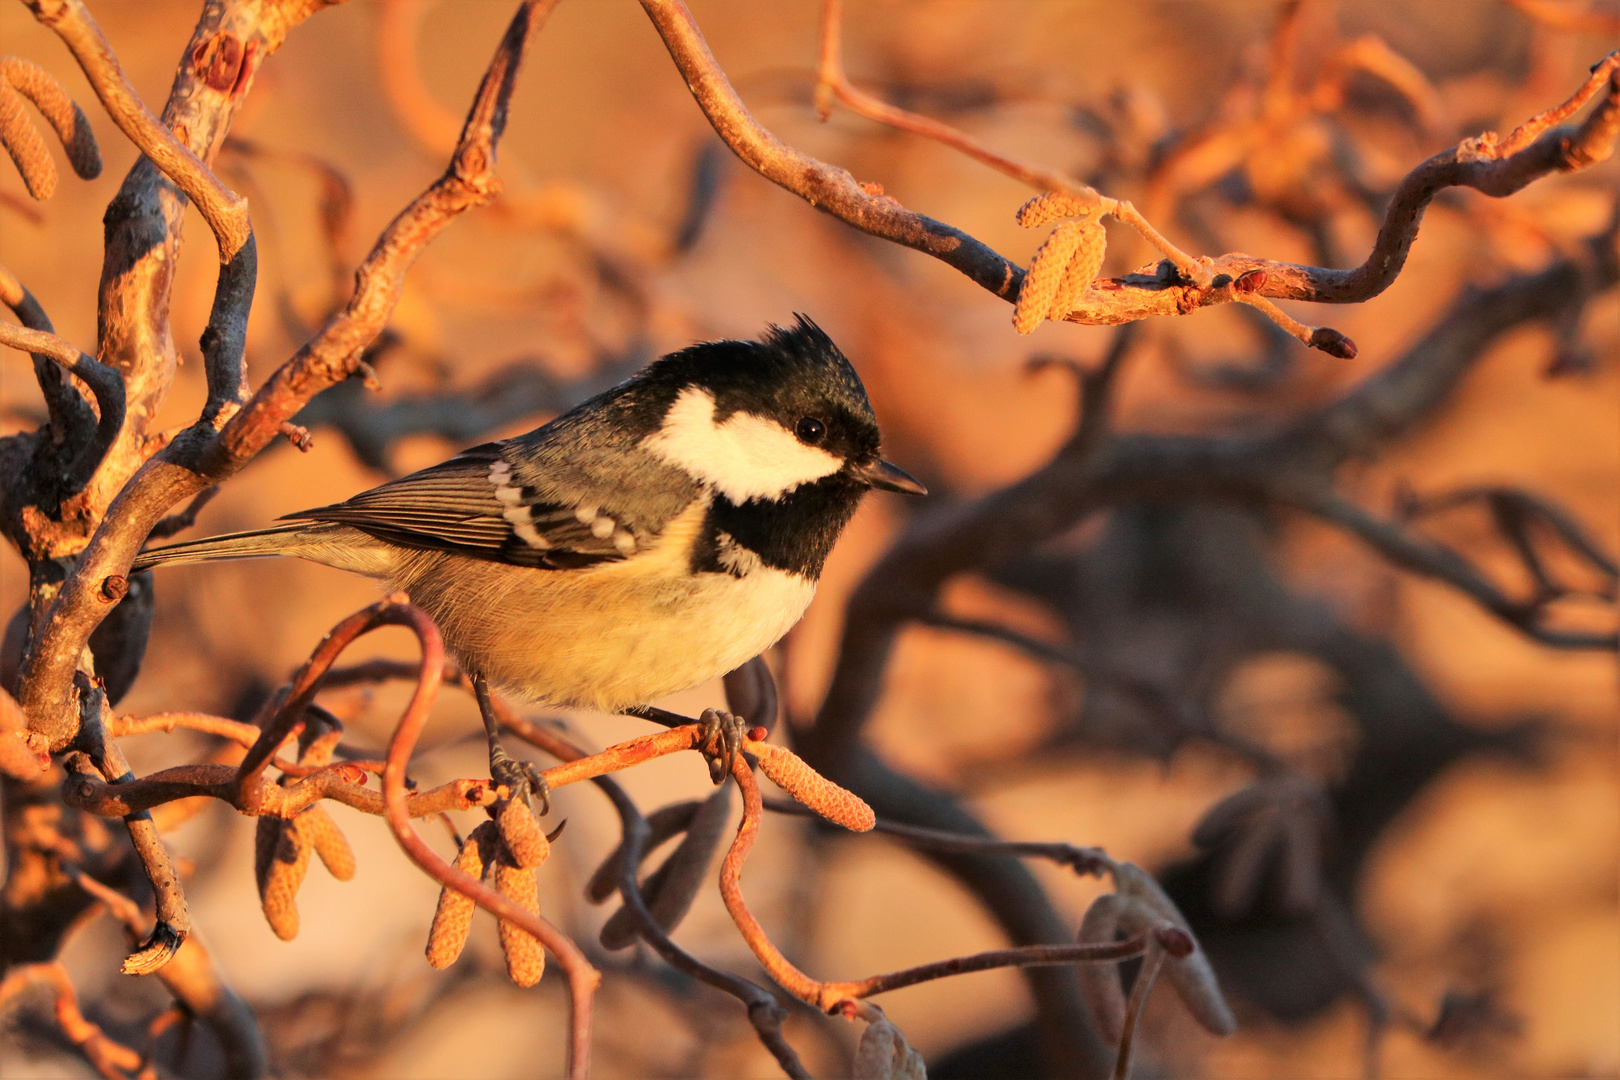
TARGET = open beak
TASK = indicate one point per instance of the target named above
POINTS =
(880, 474)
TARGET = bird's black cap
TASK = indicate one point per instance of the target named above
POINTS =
(792, 373)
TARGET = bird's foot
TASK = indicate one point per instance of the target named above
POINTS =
(721, 742)
(522, 779)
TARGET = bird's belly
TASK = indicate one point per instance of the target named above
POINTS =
(608, 638)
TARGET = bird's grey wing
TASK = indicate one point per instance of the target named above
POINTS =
(532, 501)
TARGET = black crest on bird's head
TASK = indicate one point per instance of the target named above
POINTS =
(792, 374)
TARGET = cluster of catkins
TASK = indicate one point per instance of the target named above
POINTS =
(510, 848)
(282, 846)
(1065, 265)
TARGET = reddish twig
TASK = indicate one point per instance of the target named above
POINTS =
(335, 782)
(391, 611)
(827, 996)
(117, 904)
(832, 82)
(625, 754)
(824, 186)
(582, 977)
(470, 181)
(235, 730)
(765, 1013)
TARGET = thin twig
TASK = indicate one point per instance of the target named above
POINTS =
(173, 915)
(1152, 961)
(71, 417)
(827, 996)
(583, 978)
(1432, 559)
(110, 1058)
(342, 783)
(1082, 860)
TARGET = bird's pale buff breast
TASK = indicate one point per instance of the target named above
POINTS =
(613, 635)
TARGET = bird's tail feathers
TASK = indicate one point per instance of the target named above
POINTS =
(289, 539)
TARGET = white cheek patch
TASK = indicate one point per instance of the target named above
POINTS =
(747, 457)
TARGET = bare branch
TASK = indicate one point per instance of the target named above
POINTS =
(195, 461)
(832, 83)
(225, 211)
(72, 421)
(1430, 559)
(1475, 164)
(828, 996)
(173, 916)
(332, 355)
(1082, 860)
(1516, 513)
(823, 186)
(341, 783)
(104, 383)
(1291, 466)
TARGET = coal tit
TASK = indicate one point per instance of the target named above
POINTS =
(657, 536)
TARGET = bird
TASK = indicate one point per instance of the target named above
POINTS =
(656, 536)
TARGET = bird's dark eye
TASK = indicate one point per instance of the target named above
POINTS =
(810, 430)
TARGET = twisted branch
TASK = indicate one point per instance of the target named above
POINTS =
(199, 459)
(104, 383)
(224, 210)
(1535, 150)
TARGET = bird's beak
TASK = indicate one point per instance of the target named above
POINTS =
(880, 474)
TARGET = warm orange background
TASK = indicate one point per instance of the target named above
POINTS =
(1495, 877)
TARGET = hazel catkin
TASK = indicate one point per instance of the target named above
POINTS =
(522, 834)
(790, 773)
(281, 861)
(525, 956)
(452, 919)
